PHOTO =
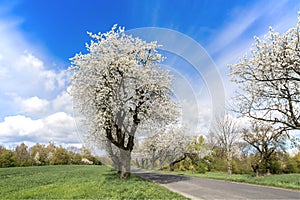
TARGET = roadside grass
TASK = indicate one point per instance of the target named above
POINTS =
(76, 182)
(289, 181)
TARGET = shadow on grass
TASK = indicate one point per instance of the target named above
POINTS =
(162, 178)
(112, 175)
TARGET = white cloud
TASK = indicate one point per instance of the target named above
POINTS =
(33, 102)
(28, 60)
(63, 102)
(32, 106)
(22, 71)
(59, 124)
(27, 75)
(19, 126)
(58, 127)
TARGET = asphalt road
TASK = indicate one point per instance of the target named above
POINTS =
(202, 188)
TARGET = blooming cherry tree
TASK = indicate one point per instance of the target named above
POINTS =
(167, 147)
(120, 89)
(270, 79)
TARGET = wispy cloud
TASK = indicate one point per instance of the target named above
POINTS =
(155, 14)
(235, 39)
(242, 20)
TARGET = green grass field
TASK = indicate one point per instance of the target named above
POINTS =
(290, 181)
(79, 182)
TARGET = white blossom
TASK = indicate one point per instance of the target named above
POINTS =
(119, 88)
(270, 79)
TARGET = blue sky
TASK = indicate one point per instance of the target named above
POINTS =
(37, 38)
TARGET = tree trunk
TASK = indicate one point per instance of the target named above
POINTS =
(172, 164)
(229, 165)
(125, 158)
(255, 168)
(143, 163)
(117, 164)
(268, 166)
(114, 156)
(256, 173)
(160, 165)
(137, 163)
(153, 160)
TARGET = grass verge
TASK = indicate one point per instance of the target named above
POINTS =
(76, 182)
(289, 181)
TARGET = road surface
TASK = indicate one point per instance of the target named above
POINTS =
(203, 188)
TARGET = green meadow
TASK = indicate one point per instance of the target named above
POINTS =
(76, 182)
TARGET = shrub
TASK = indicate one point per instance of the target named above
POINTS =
(7, 158)
(291, 166)
(201, 167)
(242, 166)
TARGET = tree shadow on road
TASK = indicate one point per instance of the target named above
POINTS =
(162, 178)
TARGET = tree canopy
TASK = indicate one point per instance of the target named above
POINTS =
(119, 87)
(270, 79)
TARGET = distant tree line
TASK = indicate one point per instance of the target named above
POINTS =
(202, 155)
(41, 154)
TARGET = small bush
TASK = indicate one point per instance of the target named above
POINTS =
(291, 166)
(241, 167)
(219, 165)
(201, 167)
